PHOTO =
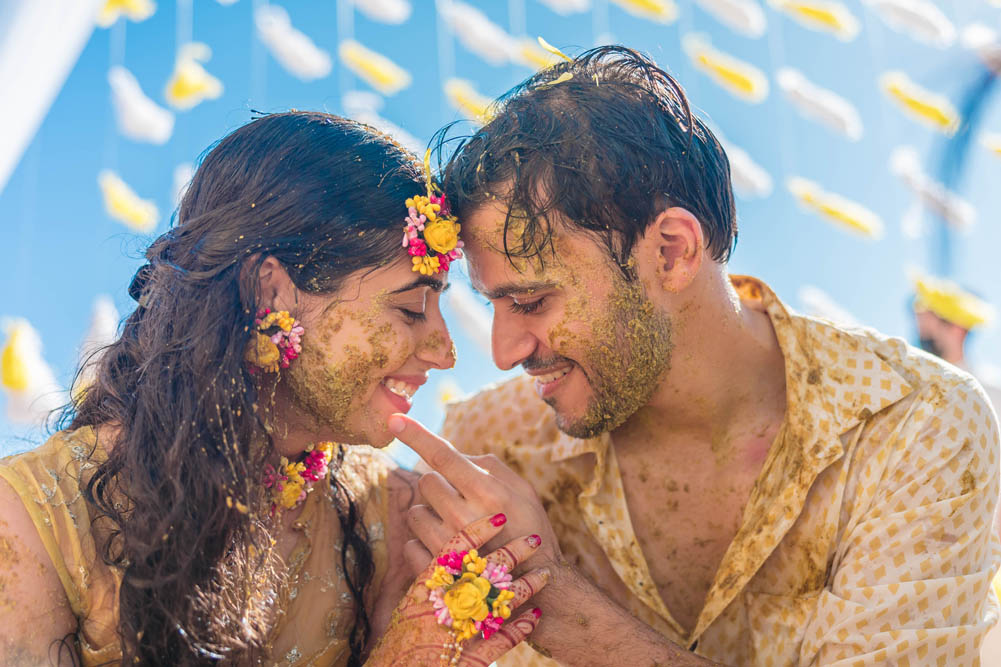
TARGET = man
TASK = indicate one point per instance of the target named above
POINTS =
(945, 314)
(727, 481)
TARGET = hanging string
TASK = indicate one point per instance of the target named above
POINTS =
(116, 58)
(345, 31)
(601, 29)
(516, 17)
(183, 24)
(777, 57)
(258, 62)
(446, 53)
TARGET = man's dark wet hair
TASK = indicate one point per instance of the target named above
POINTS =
(605, 149)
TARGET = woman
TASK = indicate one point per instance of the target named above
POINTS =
(185, 515)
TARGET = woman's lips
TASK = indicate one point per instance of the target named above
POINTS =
(401, 389)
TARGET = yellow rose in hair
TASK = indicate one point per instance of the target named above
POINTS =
(441, 235)
(467, 599)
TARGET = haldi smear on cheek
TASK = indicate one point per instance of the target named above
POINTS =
(625, 352)
(331, 391)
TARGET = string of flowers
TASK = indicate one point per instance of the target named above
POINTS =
(292, 482)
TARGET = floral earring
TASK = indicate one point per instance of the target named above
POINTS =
(276, 342)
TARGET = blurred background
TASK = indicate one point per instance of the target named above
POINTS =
(864, 137)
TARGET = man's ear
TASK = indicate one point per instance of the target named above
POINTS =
(677, 245)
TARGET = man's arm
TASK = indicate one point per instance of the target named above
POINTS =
(912, 573)
(580, 625)
(583, 627)
(36, 623)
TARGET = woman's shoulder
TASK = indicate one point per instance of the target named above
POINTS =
(75, 449)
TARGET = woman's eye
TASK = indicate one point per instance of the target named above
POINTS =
(527, 308)
(413, 315)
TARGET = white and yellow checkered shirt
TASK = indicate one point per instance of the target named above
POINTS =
(867, 538)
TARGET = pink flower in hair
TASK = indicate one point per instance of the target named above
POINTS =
(442, 201)
(418, 248)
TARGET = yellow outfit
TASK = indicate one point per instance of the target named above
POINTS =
(315, 609)
(866, 539)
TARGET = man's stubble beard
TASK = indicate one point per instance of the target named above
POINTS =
(629, 359)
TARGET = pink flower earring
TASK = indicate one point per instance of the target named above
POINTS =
(276, 342)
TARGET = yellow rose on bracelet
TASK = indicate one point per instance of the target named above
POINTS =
(442, 235)
(467, 599)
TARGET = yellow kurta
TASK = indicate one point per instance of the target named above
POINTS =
(866, 539)
(316, 609)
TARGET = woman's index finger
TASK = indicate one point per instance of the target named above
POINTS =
(437, 452)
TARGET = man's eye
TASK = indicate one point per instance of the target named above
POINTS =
(527, 308)
(413, 315)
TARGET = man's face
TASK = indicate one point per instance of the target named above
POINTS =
(596, 345)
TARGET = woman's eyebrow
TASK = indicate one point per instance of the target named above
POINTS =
(423, 281)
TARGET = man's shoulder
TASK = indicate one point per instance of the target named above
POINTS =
(919, 369)
(509, 411)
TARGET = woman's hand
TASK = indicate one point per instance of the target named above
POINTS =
(460, 488)
(415, 637)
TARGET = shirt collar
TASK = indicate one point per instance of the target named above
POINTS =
(821, 389)
(828, 390)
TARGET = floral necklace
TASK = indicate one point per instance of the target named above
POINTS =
(292, 482)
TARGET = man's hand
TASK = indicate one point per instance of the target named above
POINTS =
(461, 488)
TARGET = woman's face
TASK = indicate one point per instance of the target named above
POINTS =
(366, 350)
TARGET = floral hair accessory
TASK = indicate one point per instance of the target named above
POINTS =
(469, 594)
(292, 482)
(431, 235)
(277, 341)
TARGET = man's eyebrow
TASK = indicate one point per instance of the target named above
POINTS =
(508, 289)
(423, 281)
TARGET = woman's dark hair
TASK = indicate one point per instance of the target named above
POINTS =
(321, 194)
(604, 141)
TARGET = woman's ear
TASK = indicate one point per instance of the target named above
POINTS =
(275, 289)
(674, 241)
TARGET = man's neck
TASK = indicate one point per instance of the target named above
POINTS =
(726, 369)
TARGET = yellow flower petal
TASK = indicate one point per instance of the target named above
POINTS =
(822, 15)
(737, 77)
(661, 11)
(135, 10)
(190, 84)
(844, 212)
(126, 206)
(922, 105)
(376, 69)
(463, 96)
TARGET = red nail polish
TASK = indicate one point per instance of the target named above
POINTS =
(533, 541)
(498, 519)
(537, 612)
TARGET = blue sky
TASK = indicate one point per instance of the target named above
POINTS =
(62, 250)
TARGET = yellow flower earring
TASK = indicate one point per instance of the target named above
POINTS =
(276, 342)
